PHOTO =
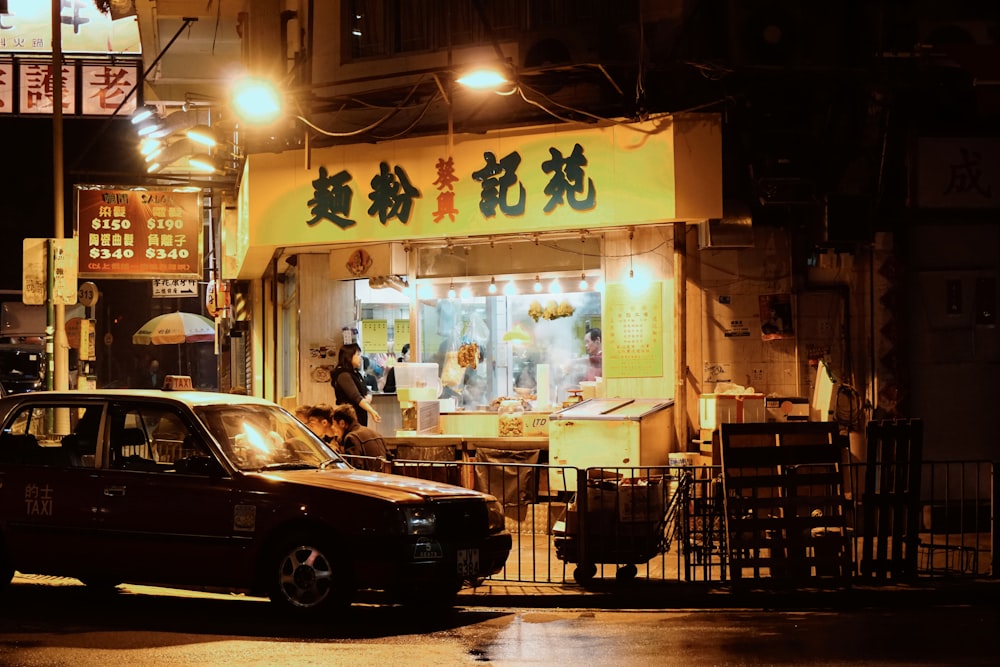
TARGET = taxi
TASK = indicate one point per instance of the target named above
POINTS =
(212, 491)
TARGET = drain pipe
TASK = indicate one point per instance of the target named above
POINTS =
(680, 336)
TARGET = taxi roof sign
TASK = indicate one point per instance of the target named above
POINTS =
(177, 382)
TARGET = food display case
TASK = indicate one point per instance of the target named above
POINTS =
(609, 433)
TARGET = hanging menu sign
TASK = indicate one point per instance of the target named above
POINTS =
(633, 331)
(138, 233)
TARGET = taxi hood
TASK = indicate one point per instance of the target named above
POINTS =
(392, 488)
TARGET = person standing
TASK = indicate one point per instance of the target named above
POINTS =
(390, 377)
(595, 354)
(359, 441)
(348, 385)
(154, 379)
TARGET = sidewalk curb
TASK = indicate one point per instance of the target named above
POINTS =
(679, 595)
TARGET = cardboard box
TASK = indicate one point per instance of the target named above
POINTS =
(421, 416)
(715, 409)
(787, 408)
(640, 501)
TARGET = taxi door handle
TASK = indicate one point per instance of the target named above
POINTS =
(114, 491)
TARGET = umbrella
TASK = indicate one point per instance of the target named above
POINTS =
(174, 328)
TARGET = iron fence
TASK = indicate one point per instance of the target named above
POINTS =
(669, 523)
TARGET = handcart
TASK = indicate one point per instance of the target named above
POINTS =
(622, 521)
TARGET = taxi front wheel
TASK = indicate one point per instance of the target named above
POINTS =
(307, 578)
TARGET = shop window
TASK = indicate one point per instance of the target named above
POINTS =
(527, 345)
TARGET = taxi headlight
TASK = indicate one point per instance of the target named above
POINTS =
(496, 516)
(419, 521)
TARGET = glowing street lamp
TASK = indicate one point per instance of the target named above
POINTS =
(256, 101)
(483, 79)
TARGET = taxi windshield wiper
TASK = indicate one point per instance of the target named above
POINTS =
(330, 462)
(289, 466)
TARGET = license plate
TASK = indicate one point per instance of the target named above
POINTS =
(468, 562)
(425, 548)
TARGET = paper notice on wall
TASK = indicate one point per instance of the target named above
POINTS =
(375, 336)
(715, 372)
(633, 333)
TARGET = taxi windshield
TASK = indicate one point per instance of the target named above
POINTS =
(256, 438)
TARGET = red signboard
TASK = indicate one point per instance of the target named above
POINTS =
(139, 233)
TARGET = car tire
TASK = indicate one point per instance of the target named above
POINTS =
(306, 577)
(584, 573)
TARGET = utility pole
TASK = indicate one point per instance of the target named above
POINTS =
(56, 343)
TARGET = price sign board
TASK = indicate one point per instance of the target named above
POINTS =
(138, 232)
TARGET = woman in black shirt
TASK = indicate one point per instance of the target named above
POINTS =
(348, 385)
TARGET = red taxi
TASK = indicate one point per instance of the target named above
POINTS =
(215, 491)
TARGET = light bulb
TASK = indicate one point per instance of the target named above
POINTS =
(493, 286)
(555, 287)
(466, 292)
(451, 291)
(538, 284)
(583, 283)
(510, 289)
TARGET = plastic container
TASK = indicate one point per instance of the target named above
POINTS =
(510, 419)
(414, 375)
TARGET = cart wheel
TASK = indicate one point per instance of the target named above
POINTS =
(626, 573)
(584, 573)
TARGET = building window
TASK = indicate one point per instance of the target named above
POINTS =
(386, 28)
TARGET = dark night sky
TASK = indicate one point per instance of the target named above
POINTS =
(94, 151)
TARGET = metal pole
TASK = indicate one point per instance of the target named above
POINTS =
(57, 312)
(680, 336)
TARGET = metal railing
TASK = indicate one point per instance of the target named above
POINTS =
(669, 523)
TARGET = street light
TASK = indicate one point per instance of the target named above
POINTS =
(484, 78)
(256, 101)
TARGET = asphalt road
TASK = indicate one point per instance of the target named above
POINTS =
(61, 623)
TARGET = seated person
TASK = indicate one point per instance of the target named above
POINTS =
(359, 441)
(319, 419)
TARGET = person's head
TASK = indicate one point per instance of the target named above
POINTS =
(349, 356)
(343, 417)
(405, 356)
(319, 420)
(302, 412)
(154, 365)
(592, 341)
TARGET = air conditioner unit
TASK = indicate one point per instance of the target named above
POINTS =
(733, 230)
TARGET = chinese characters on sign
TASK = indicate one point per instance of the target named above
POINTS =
(633, 331)
(445, 184)
(35, 278)
(36, 89)
(102, 88)
(958, 172)
(38, 500)
(139, 233)
(375, 335)
(106, 87)
(174, 288)
(393, 195)
(88, 27)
